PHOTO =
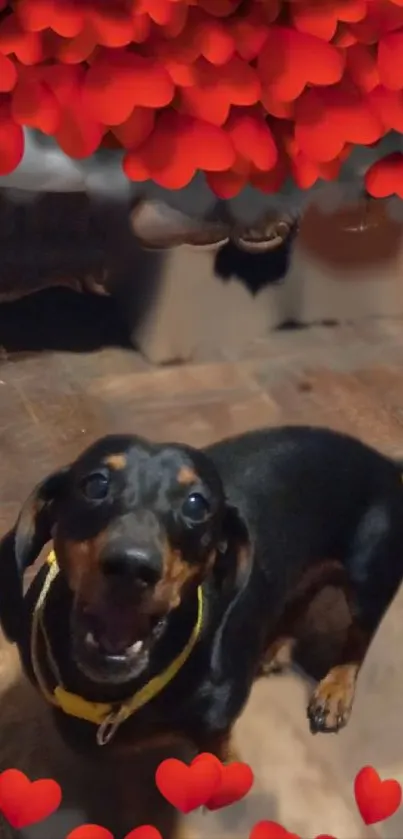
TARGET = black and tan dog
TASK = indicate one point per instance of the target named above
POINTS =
(177, 572)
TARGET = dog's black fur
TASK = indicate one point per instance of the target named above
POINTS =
(277, 505)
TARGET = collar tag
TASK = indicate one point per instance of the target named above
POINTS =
(109, 726)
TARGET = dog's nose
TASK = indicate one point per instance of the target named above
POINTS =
(134, 562)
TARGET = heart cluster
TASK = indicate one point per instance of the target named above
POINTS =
(206, 782)
(251, 91)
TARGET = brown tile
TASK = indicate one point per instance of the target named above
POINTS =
(188, 382)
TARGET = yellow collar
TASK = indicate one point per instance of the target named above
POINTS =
(107, 716)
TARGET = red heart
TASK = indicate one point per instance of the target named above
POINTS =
(250, 32)
(362, 67)
(95, 831)
(35, 105)
(390, 62)
(132, 133)
(290, 59)
(322, 20)
(188, 787)
(253, 139)
(216, 42)
(145, 831)
(380, 19)
(8, 74)
(385, 177)
(327, 119)
(64, 18)
(376, 800)
(271, 830)
(236, 781)
(75, 50)
(11, 143)
(388, 105)
(209, 757)
(90, 831)
(24, 802)
(188, 144)
(26, 46)
(109, 29)
(117, 81)
(226, 184)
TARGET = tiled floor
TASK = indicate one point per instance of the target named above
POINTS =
(350, 378)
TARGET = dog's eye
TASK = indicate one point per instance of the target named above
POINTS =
(196, 508)
(96, 486)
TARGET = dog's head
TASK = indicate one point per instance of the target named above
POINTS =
(136, 528)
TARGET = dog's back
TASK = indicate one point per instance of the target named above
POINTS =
(303, 489)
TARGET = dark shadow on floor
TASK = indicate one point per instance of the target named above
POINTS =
(60, 319)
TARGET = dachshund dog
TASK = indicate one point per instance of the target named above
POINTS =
(178, 575)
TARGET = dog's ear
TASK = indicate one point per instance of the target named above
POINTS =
(21, 546)
(235, 567)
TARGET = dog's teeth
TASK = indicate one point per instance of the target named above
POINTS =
(137, 647)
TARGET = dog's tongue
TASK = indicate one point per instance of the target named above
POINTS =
(114, 644)
(118, 631)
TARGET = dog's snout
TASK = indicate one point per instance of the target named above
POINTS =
(142, 564)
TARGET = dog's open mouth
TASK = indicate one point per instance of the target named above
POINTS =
(114, 645)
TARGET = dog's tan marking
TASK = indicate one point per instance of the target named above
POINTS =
(186, 476)
(222, 746)
(176, 574)
(80, 561)
(332, 701)
(116, 461)
(278, 656)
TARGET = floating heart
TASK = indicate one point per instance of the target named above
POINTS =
(90, 831)
(95, 831)
(327, 119)
(388, 105)
(64, 18)
(8, 74)
(236, 781)
(188, 144)
(188, 787)
(322, 19)
(145, 831)
(34, 105)
(250, 32)
(24, 802)
(271, 830)
(385, 177)
(118, 81)
(11, 141)
(290, 60)
(26, 46)
(362, 67)
(380, 19)
(226, 184)
(132, 133)
(376, 800)
(253, 139)
(390, 62)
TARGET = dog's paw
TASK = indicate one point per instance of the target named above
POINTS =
(330, 706)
